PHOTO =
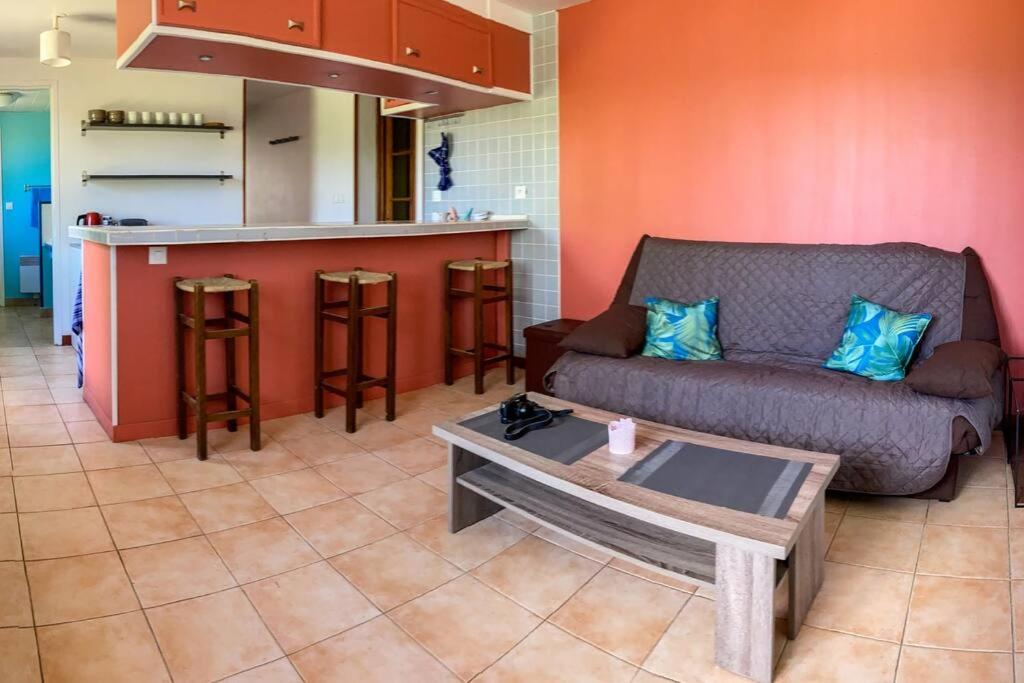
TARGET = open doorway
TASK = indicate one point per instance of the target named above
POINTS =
(26, 217)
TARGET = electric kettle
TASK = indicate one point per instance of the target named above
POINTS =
(91, 218)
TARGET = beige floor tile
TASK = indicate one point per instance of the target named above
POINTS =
(380, 434)
(223, 441)
(928, 665)
(687, 650)
(1017, 553)
(982, 471)
(440, 478)
(15, 607)
(406, 503)
(862, 601)
(53, 492)
(650, 574)
(1017, 597)
(893, 508)
(169, 448)
(28, 397)
(971, 507)
(620, 613)
(323, 448)
(334, 418)
(176, 570)
(512, 517)
(299, 490)
(938, 606)
(280, 671)
(536, 574)
(876, 543)
(465, 624)
(550, 653)
(76, 588)
(211, 637)
(969, 552)
(256, 551)
(20, 657)
(7, 495)
(105, 455)
(564, 541)
(335, 528)
(830, 657)
(45, 460)
(421, 421)
(271, 459)
(415, 457)
(837, 502)
(125, 484)
(227, 506)
(10, 539)
(394, 570)
(191, 474)
(53, 434)
(63, 533)
(361, 473)
(75, 412)
(86, 432)
(116, 649)
(25, 415)
(59, 381)
(472, 546)
(63, 396)
(374, 652)
(6, 468)
(293, 427)
(306, 605)
(647, 677)
(150, 521)
(35, 381)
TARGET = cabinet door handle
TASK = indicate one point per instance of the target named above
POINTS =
(187, 4)
(301, 25)
(412, 52)
(478, 70)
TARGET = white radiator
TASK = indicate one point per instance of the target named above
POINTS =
(28, 271)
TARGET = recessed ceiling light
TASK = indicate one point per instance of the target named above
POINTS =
(205, 58)
(333, 75)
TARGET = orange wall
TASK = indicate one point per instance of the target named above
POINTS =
(850, 121)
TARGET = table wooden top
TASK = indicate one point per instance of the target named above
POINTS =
(595, 479)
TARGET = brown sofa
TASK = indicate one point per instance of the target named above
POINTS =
(782, 311)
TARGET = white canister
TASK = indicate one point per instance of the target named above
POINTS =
(173, 118)
(198, 119)
(147, 118)
(132, 117)
(186, 119)
(621, 436)
(160, 118)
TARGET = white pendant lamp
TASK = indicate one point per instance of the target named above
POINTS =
(55, 45)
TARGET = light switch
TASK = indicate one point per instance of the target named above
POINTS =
(158, 256)
(520, 192)
(436, 196)
(9, 206)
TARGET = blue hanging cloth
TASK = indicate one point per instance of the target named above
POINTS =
(440, 155)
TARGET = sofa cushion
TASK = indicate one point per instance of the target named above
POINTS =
(878, 342)
(962, 369)
(677, 331)
(618, 332)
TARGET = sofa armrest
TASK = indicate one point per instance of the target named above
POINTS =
(960, 369)
(619, 332)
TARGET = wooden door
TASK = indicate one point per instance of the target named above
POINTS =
(361, 28)
(447, 43)
(285, 21)
(397, 169)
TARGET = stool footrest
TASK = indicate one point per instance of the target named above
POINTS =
(229, 415)
(362, 385)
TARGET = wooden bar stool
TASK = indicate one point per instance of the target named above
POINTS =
(480, 298)
(352, 315)
(203, 329)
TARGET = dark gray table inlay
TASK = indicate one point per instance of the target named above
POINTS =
(749, 483)
(565, 440)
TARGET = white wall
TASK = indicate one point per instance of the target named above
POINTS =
(96, 84)
(333, 156)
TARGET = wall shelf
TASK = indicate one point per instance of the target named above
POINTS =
(86, 176)
(87, 126)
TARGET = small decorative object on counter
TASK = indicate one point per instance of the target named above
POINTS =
(452, 216)
(481, 215)
(621, 436)
(441, 156)
(115, 116)
(97, 115)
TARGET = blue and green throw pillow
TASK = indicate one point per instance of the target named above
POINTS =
(878, 342)
(682, 331)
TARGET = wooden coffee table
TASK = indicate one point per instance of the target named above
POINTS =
(765, 571)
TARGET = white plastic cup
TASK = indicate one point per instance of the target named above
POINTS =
(621, 436)
(186, 119)
(173, 118)
(147, 118)
(160, 118)
(132, 118)
(197, 119)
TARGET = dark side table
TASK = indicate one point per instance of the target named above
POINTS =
(542, 349)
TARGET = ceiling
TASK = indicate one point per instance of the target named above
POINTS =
(30, 100)
(90, 23)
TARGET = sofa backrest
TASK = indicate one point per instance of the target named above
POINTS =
(793, 299)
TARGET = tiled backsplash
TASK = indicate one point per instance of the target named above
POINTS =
(494, 151)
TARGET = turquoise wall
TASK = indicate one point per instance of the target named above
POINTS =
(25, 156)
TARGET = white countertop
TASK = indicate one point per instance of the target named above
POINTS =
(153, 235)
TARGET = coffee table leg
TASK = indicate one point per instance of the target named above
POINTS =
(806, 568)
(465, 507)
(744, 612)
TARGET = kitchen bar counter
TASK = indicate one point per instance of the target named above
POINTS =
(159, 235)
(128, 307)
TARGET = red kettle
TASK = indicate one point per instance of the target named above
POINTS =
(91, 218)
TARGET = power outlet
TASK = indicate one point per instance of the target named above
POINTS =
(9, 206)
(158, 256)
(436, 196)
(519, 192)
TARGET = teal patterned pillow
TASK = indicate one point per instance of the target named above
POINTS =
(878, 342)
(682, 331)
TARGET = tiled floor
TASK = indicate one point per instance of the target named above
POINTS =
(325, 557)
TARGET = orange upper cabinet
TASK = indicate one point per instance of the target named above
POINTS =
(442, 39)
(285, 21)
(510, 57)
(360, 28)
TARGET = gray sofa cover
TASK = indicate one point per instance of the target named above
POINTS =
(782, 312)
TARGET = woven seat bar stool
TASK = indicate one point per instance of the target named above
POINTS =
(351, 312)
(481, 295)
(230, 327)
